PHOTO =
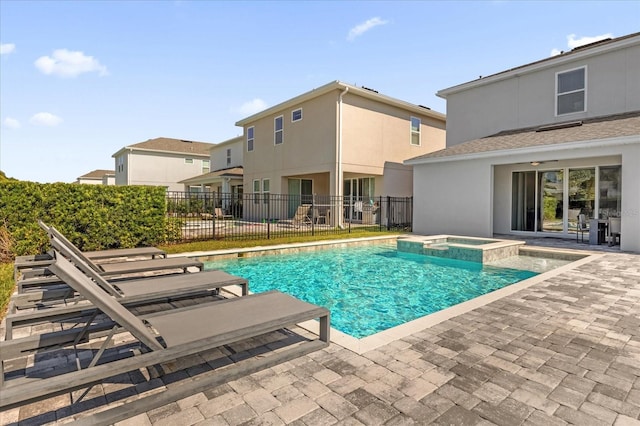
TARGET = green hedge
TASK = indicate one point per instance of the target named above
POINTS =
(94, 217)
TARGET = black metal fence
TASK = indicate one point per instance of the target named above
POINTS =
(211, 215)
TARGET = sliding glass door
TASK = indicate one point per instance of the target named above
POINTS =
(550, 201)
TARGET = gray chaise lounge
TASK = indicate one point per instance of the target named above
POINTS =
(180, 333)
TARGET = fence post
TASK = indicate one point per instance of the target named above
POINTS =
(269, 200)
(313, 213)
(388, 212)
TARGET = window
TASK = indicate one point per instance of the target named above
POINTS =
(571, 91)
(415, 131)
(206, 166)
(296, 115)
(277, 136)
(229, 157)
(250, 139)
(256, 191)
(120, 163)
(188, 161)
(265, 190)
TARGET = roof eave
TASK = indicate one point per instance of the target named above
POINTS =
(592, 143)
(541, 65)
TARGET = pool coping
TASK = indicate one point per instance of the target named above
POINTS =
(382, 338)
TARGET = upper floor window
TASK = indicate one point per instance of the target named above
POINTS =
(188, 161)
(206, 166)
(571, 91)
(250, 139)
(277, 135)
(415, 131)
(228, 156)
(296, 115)
(120, 163)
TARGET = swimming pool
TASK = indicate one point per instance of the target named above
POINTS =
(371, 288)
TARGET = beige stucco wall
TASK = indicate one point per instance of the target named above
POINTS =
(373, 134)
(613, 86)
(308, 145)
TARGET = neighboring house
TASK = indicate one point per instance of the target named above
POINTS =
(161, 162)
(337, 140)
(226, 169)
(532, 148)
(98, 177)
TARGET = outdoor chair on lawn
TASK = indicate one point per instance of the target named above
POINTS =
(301, 217)
(162, 337)
(130, 293)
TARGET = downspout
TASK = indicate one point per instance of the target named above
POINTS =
(339, 185)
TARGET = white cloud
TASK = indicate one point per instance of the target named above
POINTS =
(67, 63)
(573, 42)
(360, 29)
(253, 106)
(7, 48)
(11, 123)
(45, 119)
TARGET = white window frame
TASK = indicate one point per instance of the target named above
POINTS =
(266, 190)
(250, 138)
(417, 132)
(276, 131)
(206, 166)
(293, 120)
(584, 89)
(228, 156)
(188, 161)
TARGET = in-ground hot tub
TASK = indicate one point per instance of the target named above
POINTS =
(462, 248)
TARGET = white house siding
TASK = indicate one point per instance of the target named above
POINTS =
(162, 169)
(613, 86)
(473, 196)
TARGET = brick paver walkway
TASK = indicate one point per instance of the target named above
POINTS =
(563, 351)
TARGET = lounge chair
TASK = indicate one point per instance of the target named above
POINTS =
(178, 333)
(129, 293)
(45, 259)
(60, 243)
(221, 216)
(301, 217)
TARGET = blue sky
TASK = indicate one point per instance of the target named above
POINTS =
(80, 80)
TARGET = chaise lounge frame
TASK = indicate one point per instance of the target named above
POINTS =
(183, 332)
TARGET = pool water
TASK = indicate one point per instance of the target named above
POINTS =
(371, 288)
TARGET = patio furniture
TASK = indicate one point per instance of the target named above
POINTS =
(129, 293)
(219, 215)
(60, 243)
(614, 230)
(581, 227)
(162, 337)
(301, 216)
(317, 217)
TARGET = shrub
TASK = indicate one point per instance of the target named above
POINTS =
(94, 217)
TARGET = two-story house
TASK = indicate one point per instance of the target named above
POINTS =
(225, 177)
(337, 140)
(98, 177)
(535, 149)
(161, 162)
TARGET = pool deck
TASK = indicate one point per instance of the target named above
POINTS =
(565, 350)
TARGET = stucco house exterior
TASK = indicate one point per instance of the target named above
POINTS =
(532, 148)
(337, 140)
(226, 174)
(161, 162)
(98, 177)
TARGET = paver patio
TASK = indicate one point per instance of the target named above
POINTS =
(563, 351)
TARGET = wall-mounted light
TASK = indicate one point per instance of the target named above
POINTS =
(535, 163)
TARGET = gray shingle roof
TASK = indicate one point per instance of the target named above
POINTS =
(597, 128)
(175, 145)
(97, 174)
